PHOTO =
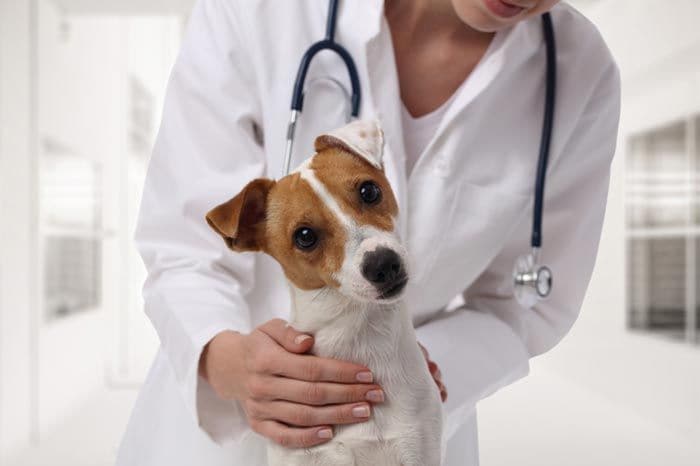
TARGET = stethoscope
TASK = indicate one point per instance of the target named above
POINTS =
(531, 281)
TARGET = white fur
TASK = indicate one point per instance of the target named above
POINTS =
(361, 137)
(352, 324)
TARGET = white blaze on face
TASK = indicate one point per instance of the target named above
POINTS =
(361, 239)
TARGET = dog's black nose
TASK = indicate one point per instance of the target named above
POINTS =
(384, 269)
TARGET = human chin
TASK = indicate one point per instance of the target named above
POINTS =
(485, 15)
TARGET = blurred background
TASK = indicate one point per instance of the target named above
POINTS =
(81, 90)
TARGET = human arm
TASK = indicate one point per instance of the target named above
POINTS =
(208, 148)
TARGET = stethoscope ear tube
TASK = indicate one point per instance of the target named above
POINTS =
(547, 125)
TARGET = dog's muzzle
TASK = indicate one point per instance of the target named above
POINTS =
(384, 269)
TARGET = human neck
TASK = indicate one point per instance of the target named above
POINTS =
(432, 20)
(429, 36)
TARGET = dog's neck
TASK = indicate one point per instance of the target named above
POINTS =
(316, 309)
(342, 326)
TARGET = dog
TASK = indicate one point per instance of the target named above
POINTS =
(332, 226)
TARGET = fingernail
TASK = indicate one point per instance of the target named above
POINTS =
(360, 411)
(301, 339)
(364, 377)
(376, 396)
(325, 433)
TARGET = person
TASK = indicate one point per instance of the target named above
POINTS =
(458, 86)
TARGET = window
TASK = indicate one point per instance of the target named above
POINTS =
(70, 207)
(663, 230)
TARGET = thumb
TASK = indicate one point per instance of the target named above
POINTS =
(287, 336)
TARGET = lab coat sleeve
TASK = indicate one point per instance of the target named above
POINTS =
(486, 344)
(206, 150)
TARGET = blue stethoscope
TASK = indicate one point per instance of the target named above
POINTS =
(531, 281)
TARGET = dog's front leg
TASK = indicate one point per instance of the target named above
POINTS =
(334, 453)
(429, 456)
(422, 447)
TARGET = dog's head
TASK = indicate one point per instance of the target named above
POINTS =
(330, 223)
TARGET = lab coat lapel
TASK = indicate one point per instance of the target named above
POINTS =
(446, 212)
(508, 48)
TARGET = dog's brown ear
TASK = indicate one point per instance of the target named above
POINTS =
(363, 138)
(241, 220)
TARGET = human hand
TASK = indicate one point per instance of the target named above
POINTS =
(289, 397)
(435, 372)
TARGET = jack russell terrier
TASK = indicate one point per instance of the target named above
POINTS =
(332, 226)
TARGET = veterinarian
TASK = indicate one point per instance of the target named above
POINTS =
(458, 86)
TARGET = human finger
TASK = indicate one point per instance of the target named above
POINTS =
(317, 369)
(321, 393)
(300, 415)
(443, 391)
(292, 437)
(287, 336)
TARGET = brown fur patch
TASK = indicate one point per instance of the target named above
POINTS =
(265, 215)
(342, 174)
(240, 221)
(292, 204)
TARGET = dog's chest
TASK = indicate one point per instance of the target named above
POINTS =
(408, 422)
(369, 337)
(384, 341)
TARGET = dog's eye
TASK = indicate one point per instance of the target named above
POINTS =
(305, 238)
(370, 192)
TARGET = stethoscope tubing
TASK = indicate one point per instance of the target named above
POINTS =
(547, 126)
(328, 43)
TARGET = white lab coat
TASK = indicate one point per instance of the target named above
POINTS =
(465, 210)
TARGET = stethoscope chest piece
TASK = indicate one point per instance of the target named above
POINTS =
(532, 282)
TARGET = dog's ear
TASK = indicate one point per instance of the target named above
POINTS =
(241, 220)
(361, 137)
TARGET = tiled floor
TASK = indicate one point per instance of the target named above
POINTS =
(89, 438)
(544, 420)
(540, 421)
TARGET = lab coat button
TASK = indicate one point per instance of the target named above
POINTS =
(441, 167)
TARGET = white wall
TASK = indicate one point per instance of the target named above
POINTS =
(64, 78)
(657, 45)
(17, 232)
(149, 61)
(87, 63)
(79, 84)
